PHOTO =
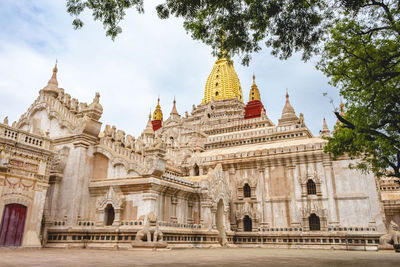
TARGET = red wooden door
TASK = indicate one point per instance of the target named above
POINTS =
(12, 225)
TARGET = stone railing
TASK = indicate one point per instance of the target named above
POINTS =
(23, 137)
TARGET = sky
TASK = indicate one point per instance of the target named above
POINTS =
(151, 58)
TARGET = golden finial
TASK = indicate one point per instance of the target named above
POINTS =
(254, 92)
(157, 115)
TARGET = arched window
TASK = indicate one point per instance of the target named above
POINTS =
(248, 226)
(109, 215)
(311, 188)
(246, 190)
(196, 170)
(314, 222)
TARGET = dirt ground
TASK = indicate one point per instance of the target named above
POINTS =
(197, 257)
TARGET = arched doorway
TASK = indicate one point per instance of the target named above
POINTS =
(109, 215)
(314, 222)
(12, 225)
(196, 170)
(247, 224)
(219, 220)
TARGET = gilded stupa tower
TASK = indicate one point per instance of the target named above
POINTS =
(157, 117)
(223, 82)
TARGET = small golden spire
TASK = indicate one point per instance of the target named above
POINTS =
(254, 93)
(157, 115)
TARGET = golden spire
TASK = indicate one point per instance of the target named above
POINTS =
(157, 115)
(223, 82)
(254, 93)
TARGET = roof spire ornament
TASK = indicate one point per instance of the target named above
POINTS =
(157, 116)
(52, 86)
(223, 82)
(174, 111)
(254, 107)
(325, 130)
(149, 127)
(288, 114)
(254, 93)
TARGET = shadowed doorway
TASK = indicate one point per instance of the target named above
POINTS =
(109, 215)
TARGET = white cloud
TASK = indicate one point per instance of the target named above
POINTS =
(151, 57)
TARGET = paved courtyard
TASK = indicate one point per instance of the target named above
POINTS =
(196, 257)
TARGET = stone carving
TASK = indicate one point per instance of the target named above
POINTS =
(219, 187)
(74, 105)
(250, 210)
(116, 200)
(130, 142)
(313, 208)
(150, 232)
(393, 235)
(309, 175)
(60, 160)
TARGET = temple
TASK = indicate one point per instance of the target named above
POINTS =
(223, 174)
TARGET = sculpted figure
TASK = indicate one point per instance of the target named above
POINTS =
(83, 106)
(113, 132)
(108, 131)
(301, 118)
(130, 141)
(67, 100)
(393, 235)
(60, 159)
(74, 104)
(61, 95)
(120, 137)
(149, 229)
